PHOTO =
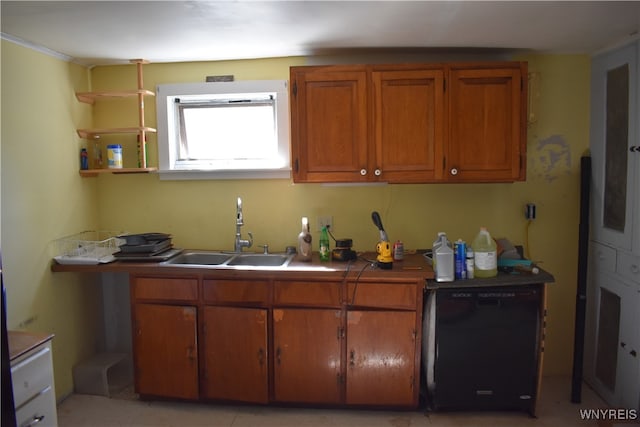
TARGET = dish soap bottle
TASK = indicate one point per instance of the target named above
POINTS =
(304, 241)
(485, 255)
(324, 245)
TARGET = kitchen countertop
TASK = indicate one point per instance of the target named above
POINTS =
(502, 279)
(413, 266)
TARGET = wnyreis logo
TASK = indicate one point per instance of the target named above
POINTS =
(609, 414)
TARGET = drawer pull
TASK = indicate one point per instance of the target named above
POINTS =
(261, 356)
(35, 420)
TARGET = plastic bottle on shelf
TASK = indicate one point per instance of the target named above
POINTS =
(97, 154)
(485, 255)
(84, 159)
(304, 241)
(324, 245)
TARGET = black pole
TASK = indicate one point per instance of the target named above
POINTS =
(581, 293)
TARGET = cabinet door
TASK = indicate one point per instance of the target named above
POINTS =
(487, 125)
(381, 358)
(165, 351)
(329, 125)
(306, 349)
(409, 124)
(617, 341)
(614, 138)
(235, 354)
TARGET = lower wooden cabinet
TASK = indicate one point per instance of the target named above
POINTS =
(235, 356)
(307, 350)
(317, 341)
(165, 350)
(381, 358)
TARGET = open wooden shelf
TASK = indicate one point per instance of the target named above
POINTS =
(92, 133)
(96, 172)
(90, 97)
(141, 130)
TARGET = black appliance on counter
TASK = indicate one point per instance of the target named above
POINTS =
(486, 348)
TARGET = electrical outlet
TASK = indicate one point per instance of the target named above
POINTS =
(325, 221)
(530, 211)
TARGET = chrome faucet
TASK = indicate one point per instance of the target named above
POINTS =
(240, 242)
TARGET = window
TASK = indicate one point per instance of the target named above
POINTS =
(224, 130)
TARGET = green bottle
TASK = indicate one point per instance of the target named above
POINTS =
(324, 245)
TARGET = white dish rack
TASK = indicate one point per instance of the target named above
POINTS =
(87, 247)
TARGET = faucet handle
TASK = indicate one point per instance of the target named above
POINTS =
(265, 249)
(250, 239)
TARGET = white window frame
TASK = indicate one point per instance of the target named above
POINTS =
(168, 128)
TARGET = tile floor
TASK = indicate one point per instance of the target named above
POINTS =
(554, 410)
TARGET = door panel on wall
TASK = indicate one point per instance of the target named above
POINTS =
(613, 134)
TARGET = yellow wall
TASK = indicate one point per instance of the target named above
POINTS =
(43, 198)
(200, 214)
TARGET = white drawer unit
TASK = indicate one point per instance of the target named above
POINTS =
(33, 387)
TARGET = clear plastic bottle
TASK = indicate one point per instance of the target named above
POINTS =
(304, 241)
(485, 255)
(445, 262)
(324, 245)
(436, 244)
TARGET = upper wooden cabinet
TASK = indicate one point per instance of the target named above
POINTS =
(329, 124)
(487, 123)
(409, 123)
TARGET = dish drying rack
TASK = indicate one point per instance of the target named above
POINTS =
(87, 247)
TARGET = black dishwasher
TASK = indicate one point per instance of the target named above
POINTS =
(486, 347)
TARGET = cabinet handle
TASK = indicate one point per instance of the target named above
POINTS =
(35, 420)
(190, 353)
(278, 353)
(635, 148)
(623, 344)
(352, 358)
(363, 172)
(454, 171)
(634, 269)
(261, 356)
(633, 353)
(377, 172)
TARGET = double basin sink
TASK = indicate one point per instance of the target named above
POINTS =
(224, 259)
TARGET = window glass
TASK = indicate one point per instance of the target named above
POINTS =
(224, 130)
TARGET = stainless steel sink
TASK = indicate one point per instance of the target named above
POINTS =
(260, 260)
(229, 260)
(200, 258)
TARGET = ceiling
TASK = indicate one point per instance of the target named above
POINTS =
(105, 32)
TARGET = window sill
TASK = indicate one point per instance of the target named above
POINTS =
(182, 175)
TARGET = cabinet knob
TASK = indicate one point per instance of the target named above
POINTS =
(635, 148)
(377, 172)
(454, 171)
(363, 172)
(634, 268)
